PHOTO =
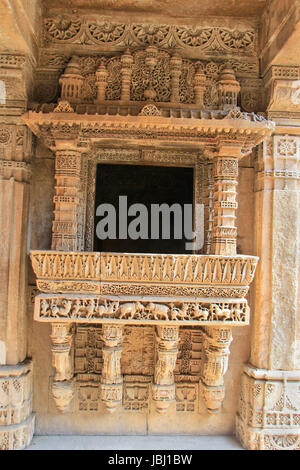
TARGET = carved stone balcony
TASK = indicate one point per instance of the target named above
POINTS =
(167, 291)
(142, 288)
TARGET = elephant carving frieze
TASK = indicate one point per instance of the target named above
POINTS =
(98, 309)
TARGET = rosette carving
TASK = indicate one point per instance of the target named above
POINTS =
(150, 33)
(62, 28)
(105, 32)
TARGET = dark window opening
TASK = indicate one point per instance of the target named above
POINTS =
(146, 185)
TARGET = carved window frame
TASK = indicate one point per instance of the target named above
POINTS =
(156, 157)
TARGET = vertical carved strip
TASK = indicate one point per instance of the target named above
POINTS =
(66, 233)
(126, 71)
(62, 361)
(166, 355)
(112, 380)
(224, 231)
(176, 63)
(208, 200)
(101, 82)
(215, 363)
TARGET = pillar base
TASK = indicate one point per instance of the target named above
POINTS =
(16, 418)
(269, 410)
(17, 436)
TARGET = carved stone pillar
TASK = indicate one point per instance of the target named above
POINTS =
(175, 63)
(208, 200)
(167, 338)
(215, 363)
(126, 71)
(269, 410)
(224, 232)
(101, 82)
(112, 380)
(62, 361)
(16, 418)
(66, 229)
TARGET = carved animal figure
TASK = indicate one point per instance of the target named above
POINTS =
(129, 309)
(44, 308)
(159, 311)
(238, 314)
(179, 313)
(199, 313)
(65, 309)
(54, 309)
(100, 310)
(220, 313)
(76, 309)
(112, 308)
(90, 308)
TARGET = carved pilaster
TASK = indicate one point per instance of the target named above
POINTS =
(175, 73)
(112, 380)
(216, 351)
(126, 71)
(208, 201)
(101, 82)
(66, 228)
(224, 232)
(199, 87)
(62, 361)
(276, 337)
(166, 354)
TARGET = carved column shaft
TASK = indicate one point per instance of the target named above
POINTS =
(269, 409)
(66, 225)
(166, 355)
(215, 364)
(111, 379)
(126, 71)
(224, 231)
(15, 153)
(208, 200)
(16, 148)
(101, 82)
(62, 361)
(61, 344)
(175, 72)
(275, 343)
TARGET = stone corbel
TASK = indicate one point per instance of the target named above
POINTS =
(166, 354)
(215, 363)
(111, 379)
(62, 361)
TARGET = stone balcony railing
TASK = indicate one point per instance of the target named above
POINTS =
(101, 287)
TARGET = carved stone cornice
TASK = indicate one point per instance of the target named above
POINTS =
(242, 129)
(92, 31)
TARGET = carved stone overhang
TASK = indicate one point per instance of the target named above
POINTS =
(198, 128)
(138, 288)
